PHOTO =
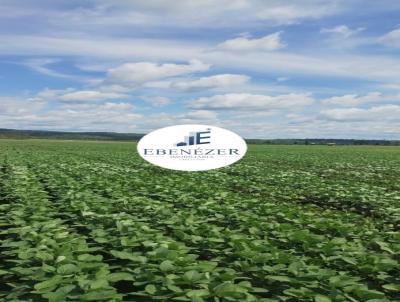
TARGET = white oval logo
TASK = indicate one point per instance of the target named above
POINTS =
(192, 147)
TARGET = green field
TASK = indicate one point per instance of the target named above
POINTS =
(92, 221)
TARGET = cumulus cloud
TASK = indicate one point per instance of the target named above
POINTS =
(391, 39)
(116, 106)
(199, 115)
(72, 95)
(93, 106)
(109, 116)
(157, 101)
(342, 30)
(266, 43)
(14, 106)
(141, 72)
(248, 101)
(349, 100)
(90, 95)
(376, 113)
(215, 81)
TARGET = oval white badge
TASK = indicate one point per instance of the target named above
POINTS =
(192, 147)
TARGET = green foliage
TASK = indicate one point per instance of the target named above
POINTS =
(93, 222)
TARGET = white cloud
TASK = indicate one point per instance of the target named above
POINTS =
(199, 115)
(100, 107)
(266, 43)
(157, 120)
(247, 101)
(391, 39)
(13, 106)
(350, 100)
(215, 81)
(116, 106)
(94, 67)
(41, 66)
(376, 122)
(342, 30)
(72, 116)
(90, 95)
(295, 119)
(284, 12)
(377, 113)
(394, 86)
(183, 13)
(157, 101)
(164, 84)
(360, 66)
(94, 106)
(318, 129)
(72, 95)
(141, 72)
(97, 46)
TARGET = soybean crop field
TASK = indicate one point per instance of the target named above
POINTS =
(92, 221)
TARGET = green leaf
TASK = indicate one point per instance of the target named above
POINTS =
(198, 293)
(115, 277)
(48, 268)
(349, 260)
(392, 286)
(67, 269)
(207, 266)
(368, 294)
(227, 289)
(129, 256)
(279, 278)
(192, 275)
(48, 285)
(90, 258)
(322, 298)
(98, 284)
(384, 247)
(60, 294)
(44, 256)
(60, 258)
(174, 288)
(66, 289)
(166, 266)
(258, 290)
(98, 295)
(150, 289)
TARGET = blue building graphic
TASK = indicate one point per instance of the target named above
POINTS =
(196, 138)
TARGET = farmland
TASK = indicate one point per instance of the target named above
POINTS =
(91, 221)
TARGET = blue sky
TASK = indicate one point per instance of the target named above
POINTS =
(262, 68)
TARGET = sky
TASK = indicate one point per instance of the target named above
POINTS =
(261, 68)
